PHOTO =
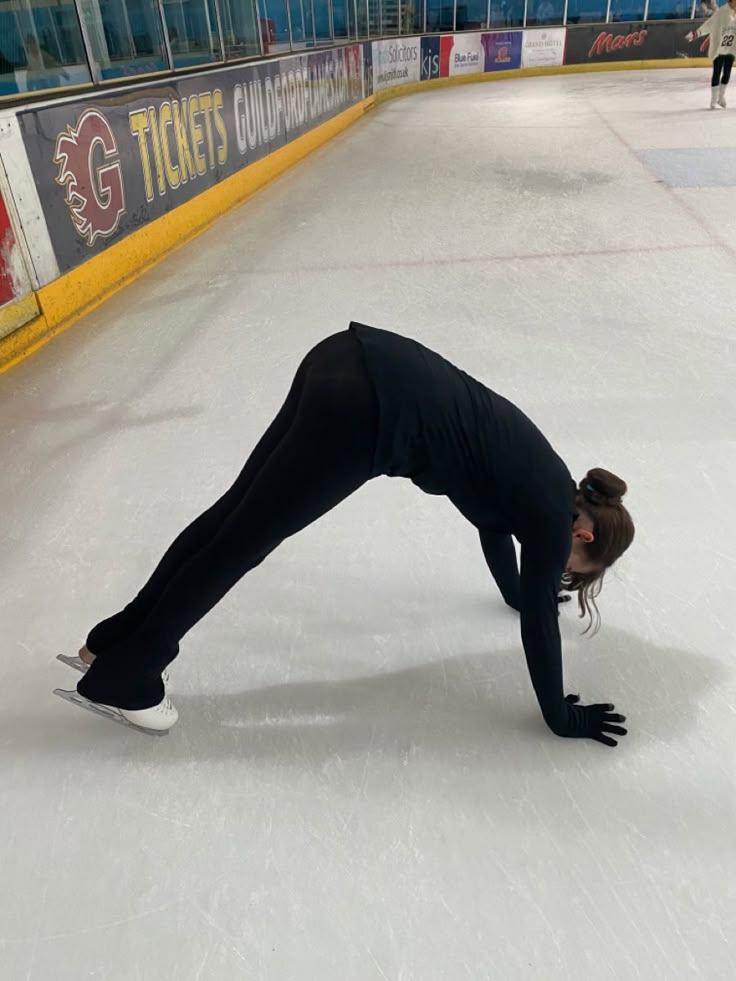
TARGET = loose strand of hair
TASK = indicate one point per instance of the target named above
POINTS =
(587, 595)
(588, 589)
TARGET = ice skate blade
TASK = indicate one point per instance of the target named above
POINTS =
(105, 711)
(75, 661)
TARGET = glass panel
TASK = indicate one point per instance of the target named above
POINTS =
(471, 15)
(298, 25)
(340, 18)
(412, 16)
(390, 17)
(545, 12)
(126, 36)
(308, 23)
(586, 11)
(362, 12)
(40, 47)
(374, 23)
(669, 10)
(322, 19)
(239, 28)
(627, 10)
(507, 13)
(439, 16)
(275, 26)
(192, 32)
(352, 18)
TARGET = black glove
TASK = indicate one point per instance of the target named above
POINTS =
(592, 722)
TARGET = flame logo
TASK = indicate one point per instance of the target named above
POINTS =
(89, 168)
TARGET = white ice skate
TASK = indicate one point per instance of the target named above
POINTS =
(155, 721)
(714, 97)
(722, 96)
(75, 661)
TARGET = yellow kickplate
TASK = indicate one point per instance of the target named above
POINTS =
(14, 315)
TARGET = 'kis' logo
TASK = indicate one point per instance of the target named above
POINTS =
(89, 167)
(430, 65)
(430, 58)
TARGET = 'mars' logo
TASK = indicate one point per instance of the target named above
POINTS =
(89, 167)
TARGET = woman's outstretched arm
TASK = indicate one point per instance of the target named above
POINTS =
(540, 634)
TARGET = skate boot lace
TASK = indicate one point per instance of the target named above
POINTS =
(165, 707)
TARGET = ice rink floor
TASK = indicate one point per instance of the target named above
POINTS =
(361, 787)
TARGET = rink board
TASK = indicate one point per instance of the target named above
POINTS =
(114, 181)
(18, 303)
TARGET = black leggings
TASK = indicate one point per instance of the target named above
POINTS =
(722, 64)
(318, 450)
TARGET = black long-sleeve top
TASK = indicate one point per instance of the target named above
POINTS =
(451, 435)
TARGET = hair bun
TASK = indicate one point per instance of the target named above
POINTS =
(602, 488)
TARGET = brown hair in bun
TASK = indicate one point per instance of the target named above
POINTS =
(602, 488)
(599, 495)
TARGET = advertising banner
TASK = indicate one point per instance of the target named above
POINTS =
(14, 280)
(105, 165)
(543, 48)
(367, 68)
(461, 54)
(396, 62)
(430, 58)
(502, 51)
(632, 42)
(8, 253)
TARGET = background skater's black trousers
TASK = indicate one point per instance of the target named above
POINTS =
(722, 66)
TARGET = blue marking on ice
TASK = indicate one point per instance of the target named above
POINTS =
(714, 167)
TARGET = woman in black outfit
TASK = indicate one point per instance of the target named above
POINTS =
(364, 403)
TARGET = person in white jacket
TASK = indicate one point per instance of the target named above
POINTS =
(722, 30)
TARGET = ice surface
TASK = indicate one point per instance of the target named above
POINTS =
(361, 787)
